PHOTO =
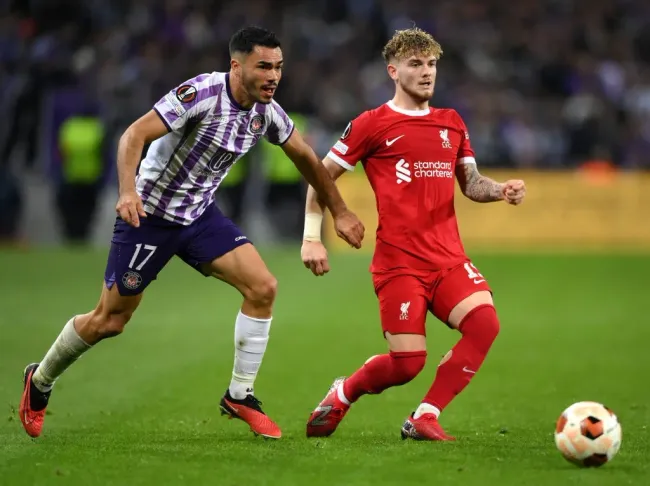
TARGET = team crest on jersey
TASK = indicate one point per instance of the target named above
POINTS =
(444, 134)
(186, 93)
(346, 132)
(131, 280)
(257, 124)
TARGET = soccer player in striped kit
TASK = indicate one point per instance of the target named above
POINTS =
(197, 132)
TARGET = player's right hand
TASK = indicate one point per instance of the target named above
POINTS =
(314, 256)
(130, 208)
(349, 228)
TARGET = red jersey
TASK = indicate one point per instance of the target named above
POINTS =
(410, 157)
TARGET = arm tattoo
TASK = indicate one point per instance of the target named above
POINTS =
(476, 187)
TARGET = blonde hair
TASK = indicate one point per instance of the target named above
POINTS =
(410, 42)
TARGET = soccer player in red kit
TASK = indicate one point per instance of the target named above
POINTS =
(411, 153)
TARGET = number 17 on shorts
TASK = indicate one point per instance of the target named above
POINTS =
(136, 256)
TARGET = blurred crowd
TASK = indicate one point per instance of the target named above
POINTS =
(542, 83)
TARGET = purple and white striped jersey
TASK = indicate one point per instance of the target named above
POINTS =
(208, 132)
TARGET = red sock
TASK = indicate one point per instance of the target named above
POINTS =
(479, 329)
(384, 371)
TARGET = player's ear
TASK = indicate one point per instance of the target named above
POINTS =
(392, 71)
(236, 63)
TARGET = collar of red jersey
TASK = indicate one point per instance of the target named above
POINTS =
(403, 111)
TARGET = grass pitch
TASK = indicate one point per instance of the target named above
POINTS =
(142, 409)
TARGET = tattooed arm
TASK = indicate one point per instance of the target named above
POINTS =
(482, 189)
(476, 187)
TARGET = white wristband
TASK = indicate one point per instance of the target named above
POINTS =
(313, 223)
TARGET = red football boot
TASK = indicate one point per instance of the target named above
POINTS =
(250, 411)
(425, 427)
(329, 413)
(32, 404)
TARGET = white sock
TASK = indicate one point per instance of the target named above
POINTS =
(426, 408)
(65, 351)
(251, 337)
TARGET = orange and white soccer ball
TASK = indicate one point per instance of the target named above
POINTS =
(588, 434)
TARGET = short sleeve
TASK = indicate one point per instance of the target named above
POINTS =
(465, 150)
(280, 125)
(191, 100)
(353, 144)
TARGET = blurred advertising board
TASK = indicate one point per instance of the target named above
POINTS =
(572, 210)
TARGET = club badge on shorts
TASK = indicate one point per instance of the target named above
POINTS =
(131, 280)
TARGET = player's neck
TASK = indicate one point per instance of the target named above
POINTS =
(237, 92)
(406, 102)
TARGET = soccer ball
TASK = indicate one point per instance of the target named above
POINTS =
(588, 434)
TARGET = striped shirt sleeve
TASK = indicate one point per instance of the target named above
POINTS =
(191, 100)
(280, 125)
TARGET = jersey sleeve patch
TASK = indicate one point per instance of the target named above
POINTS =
(175, 104)
(186, 93)
(341, 147)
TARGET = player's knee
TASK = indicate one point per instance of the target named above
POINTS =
(407, 365)
(263, 292)
(108, 324)
(492, 325)
(482, 323)
(116, 322)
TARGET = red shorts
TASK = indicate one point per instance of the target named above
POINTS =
(405, 295)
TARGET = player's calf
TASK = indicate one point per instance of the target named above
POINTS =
(98, 325)
(109, 318)
(479, 328)
(382, 372)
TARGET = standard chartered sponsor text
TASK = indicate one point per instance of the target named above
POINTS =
(433, 169)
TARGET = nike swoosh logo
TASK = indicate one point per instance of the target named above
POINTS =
(232, 407)
(467, 370)
(479, 280)
(391, 142)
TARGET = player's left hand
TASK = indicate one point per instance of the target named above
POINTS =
(349, 228)
(514, 191)
(314, 257)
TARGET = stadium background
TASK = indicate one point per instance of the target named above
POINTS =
(554, 92)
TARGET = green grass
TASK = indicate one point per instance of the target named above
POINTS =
(142, 409)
